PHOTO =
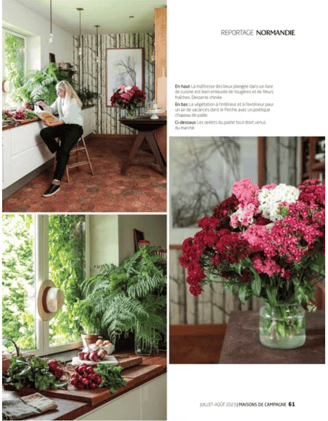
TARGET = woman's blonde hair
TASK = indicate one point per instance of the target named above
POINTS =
(69, 91)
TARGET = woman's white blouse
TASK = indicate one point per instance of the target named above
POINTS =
(69, 111)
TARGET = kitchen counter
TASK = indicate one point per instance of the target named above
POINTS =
(33, 120)
(71, 406)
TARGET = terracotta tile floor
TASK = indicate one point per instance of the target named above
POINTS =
(142, 189)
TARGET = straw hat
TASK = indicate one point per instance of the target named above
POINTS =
(50, 300)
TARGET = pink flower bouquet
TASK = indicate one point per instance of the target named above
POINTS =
(128, 98)
(266, 242)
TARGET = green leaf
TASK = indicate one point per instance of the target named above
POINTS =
(256, 284)
(272, 296)
(242, 292)
(318, 265)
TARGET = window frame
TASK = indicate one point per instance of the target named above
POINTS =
(41, 273)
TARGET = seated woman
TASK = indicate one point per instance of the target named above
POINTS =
(68, 129)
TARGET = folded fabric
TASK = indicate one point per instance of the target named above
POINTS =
(18, 409)
(40, 402)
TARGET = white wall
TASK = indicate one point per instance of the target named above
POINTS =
(111, 236)
(104, 240)
(153, 227)
(15, 16)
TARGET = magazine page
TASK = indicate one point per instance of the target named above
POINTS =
(247, 124)
(171, 217)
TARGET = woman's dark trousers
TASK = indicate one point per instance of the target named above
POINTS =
(69, 134)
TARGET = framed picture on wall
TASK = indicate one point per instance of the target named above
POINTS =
(124, 66)
(137, 236)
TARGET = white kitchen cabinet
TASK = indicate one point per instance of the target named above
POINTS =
(146, 402)
(23, 150)
(153, 399)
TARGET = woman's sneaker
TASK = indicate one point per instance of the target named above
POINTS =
(52, 190)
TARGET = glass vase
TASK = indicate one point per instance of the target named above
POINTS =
(144, 340)
(141, 347)
(282, 327)
(131, 114)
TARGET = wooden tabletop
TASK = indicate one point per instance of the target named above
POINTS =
(241, 344)
(144, 123)
(73, 404)
(196, 344)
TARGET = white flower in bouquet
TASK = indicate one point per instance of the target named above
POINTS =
(270, 200)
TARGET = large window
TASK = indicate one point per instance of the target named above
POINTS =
(14, 62)
(18, 280)
(37, 248)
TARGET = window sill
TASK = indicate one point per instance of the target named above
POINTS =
(65, 356)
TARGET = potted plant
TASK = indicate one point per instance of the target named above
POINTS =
(25, 97)
(130, 297)
(90, 323)
(266, 242)
(87, 96)
(41, 84)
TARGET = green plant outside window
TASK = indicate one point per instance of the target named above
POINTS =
(14, 62)
(66, 236)
(18, 284)
(67, 270)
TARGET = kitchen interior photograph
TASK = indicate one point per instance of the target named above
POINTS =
(247, 264)
(113, 55)
(84, 317)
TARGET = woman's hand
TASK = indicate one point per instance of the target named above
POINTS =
(41, 104)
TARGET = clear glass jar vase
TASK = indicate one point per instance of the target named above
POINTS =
(131, 114)
(143, 340)
(142, 347)
(282, 327)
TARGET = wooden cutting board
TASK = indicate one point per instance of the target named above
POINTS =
(123, 362)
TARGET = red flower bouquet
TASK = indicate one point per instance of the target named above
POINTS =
(128, 98)
(266, 242)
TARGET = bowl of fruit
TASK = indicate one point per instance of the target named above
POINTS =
(106, 345)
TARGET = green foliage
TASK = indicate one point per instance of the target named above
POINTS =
(41, 84)
(18, 287)
(111, 377)
(131, 295)
(34, 373)
(274, 290)
(14, 61)
(87, 96)
(67, 270)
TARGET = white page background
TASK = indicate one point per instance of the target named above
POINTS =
(297, 67)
